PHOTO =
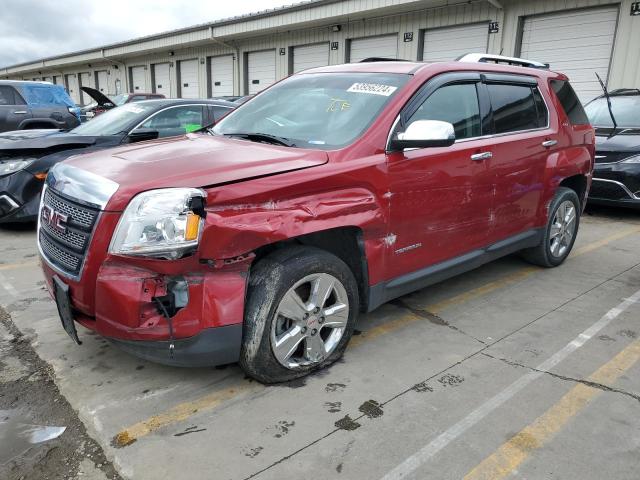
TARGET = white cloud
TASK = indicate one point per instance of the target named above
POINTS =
(33, 29)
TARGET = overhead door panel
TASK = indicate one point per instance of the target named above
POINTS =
(261, 70)
(310, 56)
(448, 43)
(48, 79)
(162, 79)
(138, 80)
(188, 80)
(72, 87)
(86, 80)
(221, 75)
(385, 46)
(577, 43)
(103, 82)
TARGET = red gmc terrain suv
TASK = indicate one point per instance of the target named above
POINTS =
(330, 193)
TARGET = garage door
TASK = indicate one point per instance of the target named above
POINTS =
(221, 75)
(48, 79)
(57, 80)
(261, 70)
(162, 79)
(447, 44)
(577, 43)
(385, 46)
(310, 56)
(72, 87)
(188, 80)
(103, 81)
(86, 80)
(138, 80)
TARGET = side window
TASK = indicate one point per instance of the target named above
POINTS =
(543, 114)
(570, 103)
(456, 104)
(9, 96)
(219, 112)
(138, 98)
(514, 107)
(176, 121)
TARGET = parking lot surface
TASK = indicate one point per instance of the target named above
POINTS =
(507, 371)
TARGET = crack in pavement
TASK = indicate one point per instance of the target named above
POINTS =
(588, 383)
(450, 367)
(432, 317)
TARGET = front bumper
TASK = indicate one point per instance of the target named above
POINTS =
(210, 347)
(616, 184)
(19, 197)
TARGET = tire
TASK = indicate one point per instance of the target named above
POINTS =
(268, 335)
(550, 253)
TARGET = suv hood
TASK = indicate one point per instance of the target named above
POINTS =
(40, 139)
(195, 160)
(100, 98)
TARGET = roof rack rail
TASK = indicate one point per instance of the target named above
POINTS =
(501, 59)
(382, 59)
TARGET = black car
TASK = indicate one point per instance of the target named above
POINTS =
(30, 105)
(616, 177)
(26, 156)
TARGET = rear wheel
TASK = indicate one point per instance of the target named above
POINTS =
(560, 233)
(301, 309)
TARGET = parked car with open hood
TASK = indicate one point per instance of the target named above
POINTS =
(27, 156)
(101, 102)
(32, 105)
(329, 193)
(616, 177)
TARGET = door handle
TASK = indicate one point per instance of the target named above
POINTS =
(549, 143)
(478, 157)
(20, 112)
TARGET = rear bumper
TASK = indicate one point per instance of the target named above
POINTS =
(210, 347)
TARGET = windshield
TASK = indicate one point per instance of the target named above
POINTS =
(115, 121)
(626, 110)
(120, 99)
(323, 110)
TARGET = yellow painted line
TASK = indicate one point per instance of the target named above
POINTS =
(515, 451)
(185, 410)
(13, 266)
(464, 297)
(178, 413)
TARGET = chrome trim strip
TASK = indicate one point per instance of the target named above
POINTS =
(84, 186)
(620, 184)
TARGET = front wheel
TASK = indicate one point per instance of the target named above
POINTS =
(561, 230)
(300, 313)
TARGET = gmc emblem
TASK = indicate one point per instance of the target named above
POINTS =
(55, 220)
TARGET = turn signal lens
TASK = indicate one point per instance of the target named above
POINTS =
(41, 175)
(193, 226)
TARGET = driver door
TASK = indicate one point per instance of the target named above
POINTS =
(441, 197)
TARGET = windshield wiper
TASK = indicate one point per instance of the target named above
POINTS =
(606, 94)
(263, 137)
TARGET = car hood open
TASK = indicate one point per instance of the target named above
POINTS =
(100, 98)
(195, 160)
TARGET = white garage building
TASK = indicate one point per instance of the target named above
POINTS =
(246, 54)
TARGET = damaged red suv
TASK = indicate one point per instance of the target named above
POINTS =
(329, 194)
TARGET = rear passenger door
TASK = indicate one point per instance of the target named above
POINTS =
(520, 122)
(13, 109)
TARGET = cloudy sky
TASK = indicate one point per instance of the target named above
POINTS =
(32, 29)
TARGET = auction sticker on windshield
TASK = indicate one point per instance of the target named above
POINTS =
(373, 88)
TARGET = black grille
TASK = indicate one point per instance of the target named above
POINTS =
(65, 245)
(607, 190)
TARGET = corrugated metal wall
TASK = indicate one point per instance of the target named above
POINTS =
(357, 18)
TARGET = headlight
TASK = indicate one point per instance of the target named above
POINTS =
(634, 159)
(12, 166)
(159, 223)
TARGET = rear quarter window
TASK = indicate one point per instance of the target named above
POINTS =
(570, 102)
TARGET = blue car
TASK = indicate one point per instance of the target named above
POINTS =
(36, 105)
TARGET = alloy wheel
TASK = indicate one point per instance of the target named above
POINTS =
(563, 229)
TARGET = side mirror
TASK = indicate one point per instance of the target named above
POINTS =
(142, 134)
(424, 134)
